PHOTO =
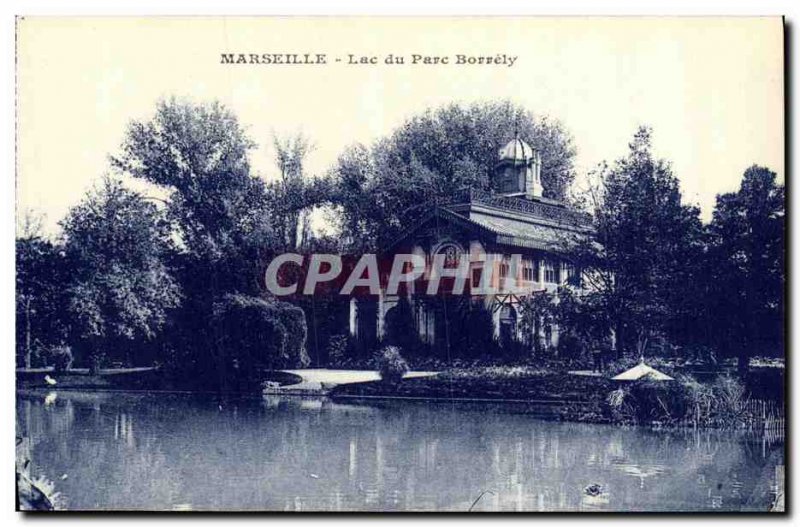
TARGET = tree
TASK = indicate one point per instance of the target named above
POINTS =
(747, 266)
(39, 292)
(639, 263)
(292, 197)
(431, 156)
(288, 193)
(229, 222)
(119, 286)
(200, 154)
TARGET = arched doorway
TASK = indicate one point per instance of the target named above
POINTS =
(508, 326)
(364, 324)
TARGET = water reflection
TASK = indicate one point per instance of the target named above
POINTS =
(138, 451)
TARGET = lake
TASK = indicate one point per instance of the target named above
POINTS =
(111, 450)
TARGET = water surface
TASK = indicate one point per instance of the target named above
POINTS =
(171, 451)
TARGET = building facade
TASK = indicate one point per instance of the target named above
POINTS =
(509, 244)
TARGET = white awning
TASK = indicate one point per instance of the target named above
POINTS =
(642, 371)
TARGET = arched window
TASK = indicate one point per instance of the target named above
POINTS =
(452, 254)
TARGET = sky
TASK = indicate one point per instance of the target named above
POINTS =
(711, 88)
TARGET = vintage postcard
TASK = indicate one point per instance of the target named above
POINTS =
(429, 264)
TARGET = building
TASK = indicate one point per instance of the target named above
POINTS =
(511, 244)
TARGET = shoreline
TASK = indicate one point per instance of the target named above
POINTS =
(554, 395)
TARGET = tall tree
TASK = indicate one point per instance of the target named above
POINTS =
(200, 154)
(224, 218)
(119, 288)
(434, 154)
(290, 156)
(639, 261)
(295, 194)
(747, 257)
(39, 291)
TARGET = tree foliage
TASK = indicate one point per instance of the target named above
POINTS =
(434, 154)
(119, 286)
(640, 261)
(200, 154)
(255, 334)
(746, 253)
(40, 298)
(295, 194)
(229, 222)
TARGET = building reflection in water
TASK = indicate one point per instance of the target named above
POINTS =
(166, 451)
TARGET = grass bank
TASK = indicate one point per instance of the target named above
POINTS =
(130, 379)
(723, 402)
(82, 379)
(551, 394)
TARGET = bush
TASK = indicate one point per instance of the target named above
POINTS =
(700, 400)
(648, 402)
(390, 364)
(622, 405)
(61, 357)
(257, 334)
(338, 347)
(722, 403)
(731, 400)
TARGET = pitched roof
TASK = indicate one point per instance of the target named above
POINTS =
(642, 371)
(500, 230)
(542, 224)
(523, 234)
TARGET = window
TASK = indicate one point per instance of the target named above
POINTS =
(476, 277)
(503, 269)
(550, 272)
(528, 274)
(452, 256)
(570, 275)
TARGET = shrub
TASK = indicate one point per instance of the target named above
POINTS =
(338, 346)
(258, 334)
(294, 320)
(700, 400)
(390, 364)
(61, 357)
(570, 346)
(731, 400)
(622, 405)
(723, 403)
(647, 402)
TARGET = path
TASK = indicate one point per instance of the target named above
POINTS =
(320, 380)
(586, 373)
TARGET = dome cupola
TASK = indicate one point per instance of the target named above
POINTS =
(519, 170)
(517, 151)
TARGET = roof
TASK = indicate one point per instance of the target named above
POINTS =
(514, 232)
(496, 229)
(516, 150)
(541, 224)
(539, 209)
(642, 371)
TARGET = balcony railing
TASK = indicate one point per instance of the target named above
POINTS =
(535, 208)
